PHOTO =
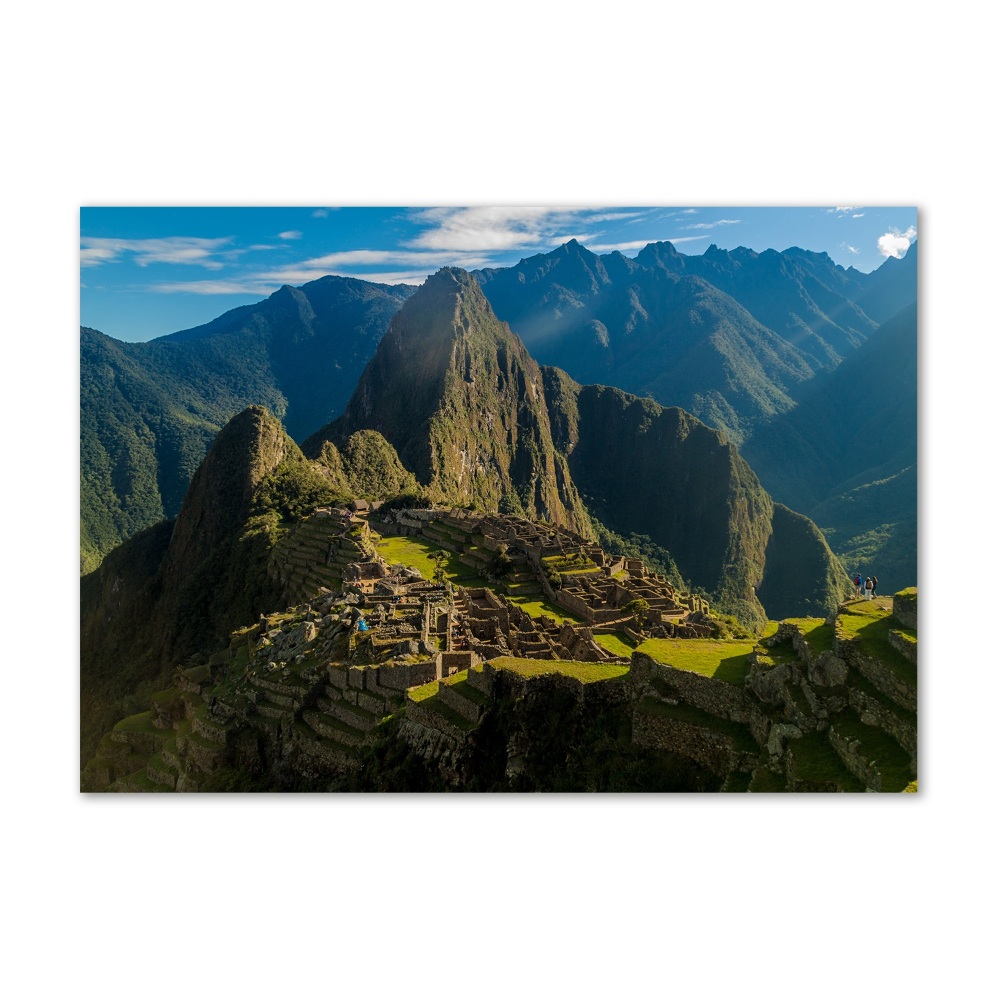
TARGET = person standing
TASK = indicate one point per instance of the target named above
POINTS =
(868, 588)
(857, 585)
(874, 585)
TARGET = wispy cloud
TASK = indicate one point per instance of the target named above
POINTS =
(712, 225)
(241, 286)
(844, 209)
(267, 284)
(496, 229)
(403, 258)
(849, 248)
(858, 215)
(894, 243)
(689, 211)
(321, 213)
(96, 250)
(290, 234)
(639, 244)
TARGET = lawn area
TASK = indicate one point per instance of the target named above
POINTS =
(726, 660)
(817, 634)
(617, 643)
(536, 607)
(418, 551)
(587, 673)
(425, 691)
(871, 624)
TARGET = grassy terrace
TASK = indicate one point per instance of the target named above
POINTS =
(618, 643)
(418, 551)
(815, 760)
(739, 734)
(586, 673)
(871, 624)
(142, 723)
(724, 659)
(890, 758)
(817, 634)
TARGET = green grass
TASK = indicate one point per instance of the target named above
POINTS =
(817, 634)
(460, 682)
(424, 691)
(142, 723)
(536, 608)
(617, 642)
(587, 673)
(725, 660)
(815, 760)
(411, 551)
(892, 761)
(765, 780)
(141, 780)
(742, 739)
(871, 625)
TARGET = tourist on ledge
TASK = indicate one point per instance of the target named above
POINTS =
(868, 588)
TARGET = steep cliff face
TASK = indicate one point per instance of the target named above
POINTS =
(660, 472)
(178, 587)
(249, 448)
(462, 402)
(801, 575)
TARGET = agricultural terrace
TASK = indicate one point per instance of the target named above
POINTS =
(871, 622)
(816, 632)
(724, 659)
(586, 673)
(419, 552)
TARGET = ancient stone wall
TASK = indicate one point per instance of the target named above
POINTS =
(904, 608)
(719, 698)
(711, 749)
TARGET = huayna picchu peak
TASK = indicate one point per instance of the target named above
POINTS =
(504, 531)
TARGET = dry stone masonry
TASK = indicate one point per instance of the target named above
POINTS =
(304, 692)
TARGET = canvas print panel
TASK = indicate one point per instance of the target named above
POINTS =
(499, 499)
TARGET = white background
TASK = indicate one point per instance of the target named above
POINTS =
(514, 103)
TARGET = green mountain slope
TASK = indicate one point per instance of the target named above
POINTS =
(461, 401)
(651, 331)
(149, 411)
(847, 455)
(478, 422)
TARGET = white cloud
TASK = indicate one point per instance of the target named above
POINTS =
(167, 250)
(266, 284)
(639, 244)
(320, 213)
(895, 243)
(689, 211)
(403, 258)
(712, 225)
(239, 287)
(492, 229)
(290, 234)
(850, 249)
(858, 215)
(844, 209)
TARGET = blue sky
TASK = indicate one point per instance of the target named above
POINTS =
(146, 272)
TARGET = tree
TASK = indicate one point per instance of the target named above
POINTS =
(639, 608)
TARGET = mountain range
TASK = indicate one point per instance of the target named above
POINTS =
(453, 408)
(758, 345)
(149, 411)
